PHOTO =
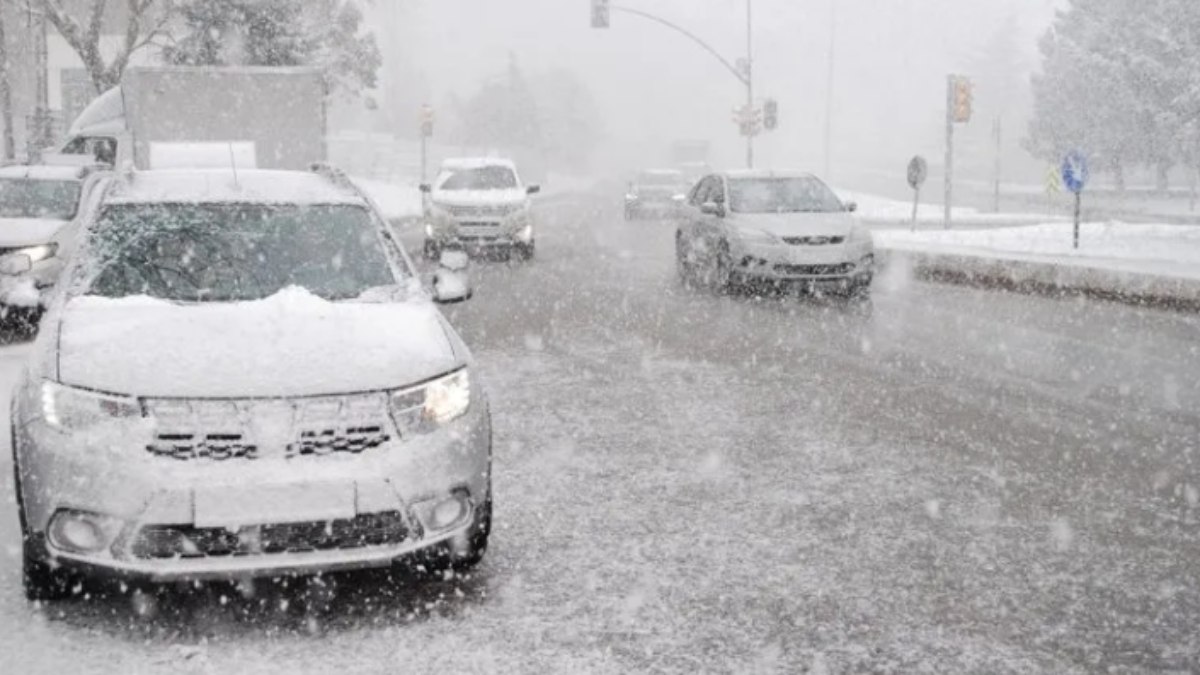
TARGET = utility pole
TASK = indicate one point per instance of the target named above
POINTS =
(951, 86)
(750, 79)
(6, 109)
(997, 131)
(829, 78)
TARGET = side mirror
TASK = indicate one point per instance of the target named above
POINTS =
(15, 264)
(426, 188)
(851, 206)
(533, 189)
(451, 285)
(713, 209)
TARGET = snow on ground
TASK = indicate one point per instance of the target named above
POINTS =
(1161, 250)
(397, 201)
(877, 210)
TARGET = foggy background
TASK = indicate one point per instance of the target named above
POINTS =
(652, 86)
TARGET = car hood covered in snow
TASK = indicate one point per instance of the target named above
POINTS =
(17, 232)
(290, 344)
(799, 224)
(514, 196)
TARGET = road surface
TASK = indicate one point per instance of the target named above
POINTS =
(960, 481)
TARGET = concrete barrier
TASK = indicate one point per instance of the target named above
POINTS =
(1049, 278)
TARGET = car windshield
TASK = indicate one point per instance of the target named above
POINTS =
(31, 198)
(482, 178)
(236, 252)
(782, 195)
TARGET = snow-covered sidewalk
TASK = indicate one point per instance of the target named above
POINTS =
(1160, 250)
(877, 211)
(1159, 263)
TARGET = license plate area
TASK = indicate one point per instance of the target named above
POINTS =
(232, 507)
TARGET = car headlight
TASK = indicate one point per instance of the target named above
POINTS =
(68, 408)
(37, 253)
(424, 409)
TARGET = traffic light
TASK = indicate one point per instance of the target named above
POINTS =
(427, 118)
(771, 114)
(600, 13)
(964, 96)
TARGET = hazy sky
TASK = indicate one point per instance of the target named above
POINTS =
(652, 86)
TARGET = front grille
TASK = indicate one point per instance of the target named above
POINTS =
(814, 241)
(816, 270)
(224, 430)
(160, 542)
(478, 211)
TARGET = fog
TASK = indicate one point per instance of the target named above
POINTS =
(653, 86)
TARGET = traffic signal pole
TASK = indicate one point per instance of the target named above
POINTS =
(750, 79)
(951, 88)
(601, 9)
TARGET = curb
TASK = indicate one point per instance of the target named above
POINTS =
(1049, 279)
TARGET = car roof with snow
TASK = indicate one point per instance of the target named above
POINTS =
(464, 163)
(765, 174)
(665, 173)
(214, 186)
(46, 172)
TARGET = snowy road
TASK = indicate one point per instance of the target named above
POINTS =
(961, 482)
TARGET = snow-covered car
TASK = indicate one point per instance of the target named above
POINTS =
(39, 208)
(480, 205)
(243, 375)
(776, 227)
(655, 193)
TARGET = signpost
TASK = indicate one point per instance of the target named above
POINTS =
(1075, 175)
(918, 171)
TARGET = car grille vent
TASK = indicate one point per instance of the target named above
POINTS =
(816, 270)
(354, 440)
(814, 241)
(159, 542)
(211, 446)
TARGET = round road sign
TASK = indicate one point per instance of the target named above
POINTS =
(918, 171)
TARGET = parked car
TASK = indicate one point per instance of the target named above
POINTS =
(480, 205)
(243, 375)
(655, 193)
(39, 208)
(778, 228)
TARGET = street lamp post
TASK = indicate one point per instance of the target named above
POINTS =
(745, 76)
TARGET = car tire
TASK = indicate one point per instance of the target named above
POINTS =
(682, 267)
(722, 275)
(42, 583)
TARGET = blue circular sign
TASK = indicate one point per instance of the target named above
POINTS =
(1075, 171)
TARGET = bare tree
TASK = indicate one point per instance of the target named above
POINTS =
(144, 20)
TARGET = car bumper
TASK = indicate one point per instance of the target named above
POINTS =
(810, 264)
(300, 502)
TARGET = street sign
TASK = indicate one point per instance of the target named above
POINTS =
(1054, 183)
(601, 13)
(918, 171)
(1075, 172)
(1075, 175)
(749, 119)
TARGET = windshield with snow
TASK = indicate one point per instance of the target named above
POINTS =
(43, 199)
(483, 178)
(236, 252)
(781, 195)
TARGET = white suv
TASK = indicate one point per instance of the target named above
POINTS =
(242, 375)
(481, 206)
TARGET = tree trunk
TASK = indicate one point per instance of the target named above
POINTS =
(1163, 179)
(6, 109)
